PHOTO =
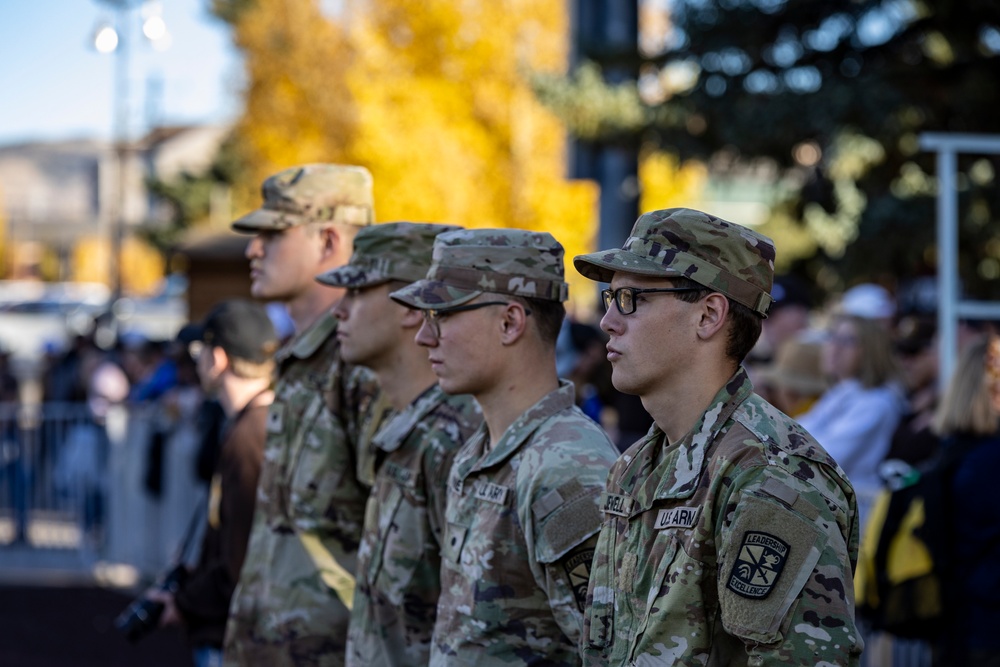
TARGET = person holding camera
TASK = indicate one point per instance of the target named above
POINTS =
(234, 349)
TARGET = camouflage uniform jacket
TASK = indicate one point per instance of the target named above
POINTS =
(399, 561)
(522, 522)
(291, 606)
(734, 546)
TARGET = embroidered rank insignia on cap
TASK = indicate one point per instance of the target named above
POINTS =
(757, 568)
(577, 569)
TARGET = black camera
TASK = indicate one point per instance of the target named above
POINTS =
(142, 616)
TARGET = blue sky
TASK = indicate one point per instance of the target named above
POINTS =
(55, 85)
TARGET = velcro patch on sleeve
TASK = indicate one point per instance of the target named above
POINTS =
(555, 498)
(765, 563)
(567, 527)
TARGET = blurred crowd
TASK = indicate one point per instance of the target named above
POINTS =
(858, 370)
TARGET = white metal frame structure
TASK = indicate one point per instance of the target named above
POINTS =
(951, 308)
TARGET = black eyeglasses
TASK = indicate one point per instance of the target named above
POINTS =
(432, 316)
(624, 297)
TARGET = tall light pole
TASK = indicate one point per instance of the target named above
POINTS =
(117, 39)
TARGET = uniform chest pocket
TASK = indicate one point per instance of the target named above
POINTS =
(319, 460)
(674, 589)
(648, 580)
(381, 512)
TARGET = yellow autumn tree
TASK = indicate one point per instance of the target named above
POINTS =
(142, 264)
(297, 106)
(435, 100)
(448, 122)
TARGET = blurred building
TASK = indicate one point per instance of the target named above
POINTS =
(53, 194)
(216, 269)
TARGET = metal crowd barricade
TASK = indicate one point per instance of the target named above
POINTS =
(73, 490)
(51, 467)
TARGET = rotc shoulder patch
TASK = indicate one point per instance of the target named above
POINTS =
(758, 566)
(577, 566)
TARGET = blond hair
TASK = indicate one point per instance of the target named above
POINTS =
(967, 407)
(877, 365)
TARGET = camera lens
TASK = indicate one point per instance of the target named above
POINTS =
(141, 618)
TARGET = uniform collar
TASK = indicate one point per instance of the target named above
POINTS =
(657, 471)
(562, 398)
(400, 425)
(305, 344)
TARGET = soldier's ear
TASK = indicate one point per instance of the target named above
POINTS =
(218, 360)
(331, 240)
(412, 318)
(514, 323)
(712, 313)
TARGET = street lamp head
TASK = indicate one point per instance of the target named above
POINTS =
(154, 28)
(105, 38)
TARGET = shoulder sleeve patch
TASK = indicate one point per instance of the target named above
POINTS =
(577, 566)
(769, 556)
(758, 565)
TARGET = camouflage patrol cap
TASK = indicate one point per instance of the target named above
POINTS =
(681, 242)
(469, 262)
(312, 193)
(389, 251)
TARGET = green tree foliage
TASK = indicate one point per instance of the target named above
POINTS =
(835, 93)
(189, 195)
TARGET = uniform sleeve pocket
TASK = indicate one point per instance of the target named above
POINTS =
(769, 555)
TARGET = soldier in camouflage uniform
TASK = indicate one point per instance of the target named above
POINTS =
(729, 534)
(522, 513)
(292, 603)
(399, 561)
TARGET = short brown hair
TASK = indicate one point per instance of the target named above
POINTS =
(251, 370)
(548, 316)
(744, 324)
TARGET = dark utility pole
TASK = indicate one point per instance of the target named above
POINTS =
(607, 32)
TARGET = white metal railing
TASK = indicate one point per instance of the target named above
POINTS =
(950, 306)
